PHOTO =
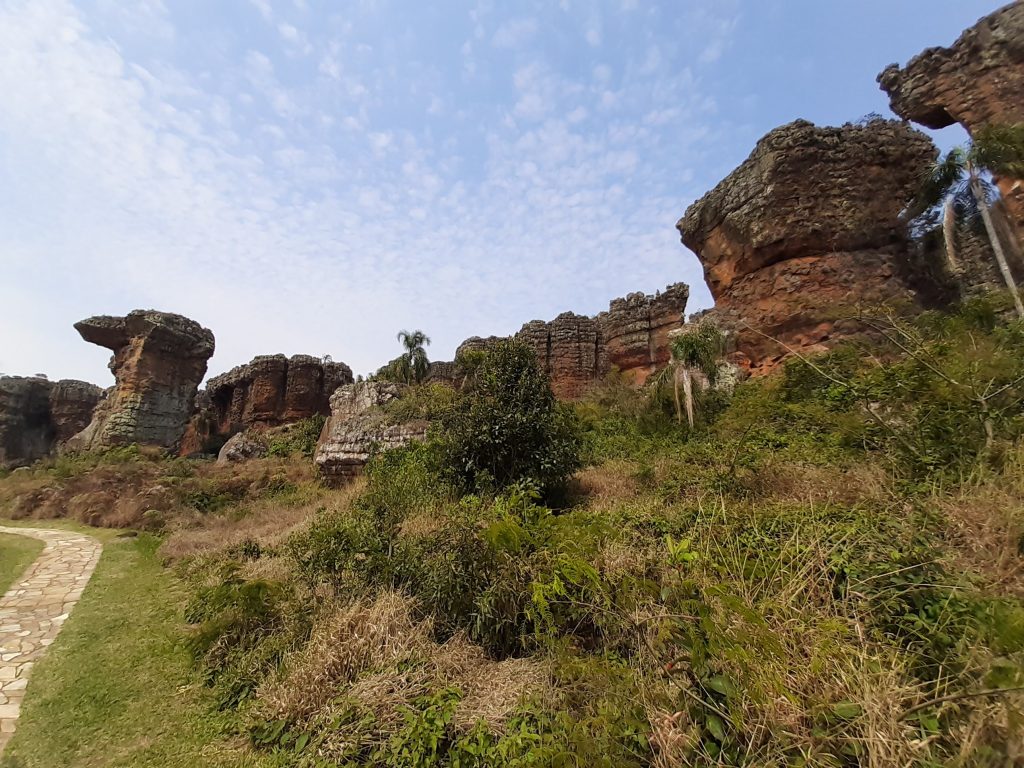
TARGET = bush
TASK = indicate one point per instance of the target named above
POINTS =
(506, 427)
(300, 438)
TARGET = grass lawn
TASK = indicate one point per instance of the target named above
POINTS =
(117, 688)
(16, 553)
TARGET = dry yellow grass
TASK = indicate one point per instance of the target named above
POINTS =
(377, 658)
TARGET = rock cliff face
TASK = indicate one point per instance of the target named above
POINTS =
(358, 426)
(977, 81)
(159, 360)
(273, 390)
(635, 331)
(632, 336)
(37, 414)
(806, 227)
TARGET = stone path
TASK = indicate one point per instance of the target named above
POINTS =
(34, 610)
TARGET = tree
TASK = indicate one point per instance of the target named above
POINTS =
(698, 350)
(413, 365)
(959, 182)
(506, 427)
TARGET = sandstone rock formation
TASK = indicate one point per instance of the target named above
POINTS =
(159, 360)
(71, 405)
(272, 390)
(632, 336)
(977, 81)
(635, 331)
(806, 229)
(358, 426)
(37, 414)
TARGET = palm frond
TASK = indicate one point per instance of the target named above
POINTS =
(940, 178)
(1000, 149)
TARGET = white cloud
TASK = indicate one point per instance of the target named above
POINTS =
(263, 6)
(302, 219)
(515, 33)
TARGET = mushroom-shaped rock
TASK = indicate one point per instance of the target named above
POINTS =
(159, 359)
(806, 228)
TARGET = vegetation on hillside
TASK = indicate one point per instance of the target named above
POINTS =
(825, 570)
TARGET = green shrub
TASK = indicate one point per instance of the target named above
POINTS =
(506, 427)
(300, 438)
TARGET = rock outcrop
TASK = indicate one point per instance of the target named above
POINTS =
(358, 426)
(977, 81)
(632, 336)
(806, 229)
(635, 331)
(159, 359)
(272, 390)
(36, 415)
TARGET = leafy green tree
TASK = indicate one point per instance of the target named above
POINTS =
(698, 351)
(506, 426)
(959, 182)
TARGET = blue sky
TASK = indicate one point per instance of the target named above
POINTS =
(305, 176)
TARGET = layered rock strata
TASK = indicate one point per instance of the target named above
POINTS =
(632, 336)
(159, 359)
(36, 415)
(272, 390)
(358, 427)
(806, 230)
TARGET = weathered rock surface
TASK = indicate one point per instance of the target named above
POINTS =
(635, 331)
(632, 336)
(272, 390)
(977, 81)
(805, 230)
(358, 427)
(159, 359)
(37, 414)
(242, 447)
(71, 405)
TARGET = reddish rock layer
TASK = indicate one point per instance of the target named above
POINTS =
(272, 390)
(575, 350)
(159, 360)
(806, 229)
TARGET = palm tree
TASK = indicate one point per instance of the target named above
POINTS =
(696, 351)
(959, 181)
(413, 366)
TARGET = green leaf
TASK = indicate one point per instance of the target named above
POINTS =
(722, 684)
(847, 710)
(301, 742)
(716, 727)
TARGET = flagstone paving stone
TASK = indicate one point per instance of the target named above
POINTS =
(35, 608)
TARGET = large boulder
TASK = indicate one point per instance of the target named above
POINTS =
(242, 447)
(36, 415)
(807, 229)
(358, 427)
(159, 359)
